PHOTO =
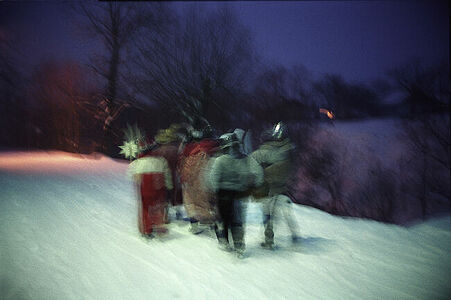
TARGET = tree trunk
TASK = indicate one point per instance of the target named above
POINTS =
(424, 186)
(111, 93)
(335, 195)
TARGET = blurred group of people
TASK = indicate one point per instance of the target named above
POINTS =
(212, 177)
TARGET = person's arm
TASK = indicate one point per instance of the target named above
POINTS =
(167, 174)
(214, 173)
(132, 172)
(257, 170)
(260, 155)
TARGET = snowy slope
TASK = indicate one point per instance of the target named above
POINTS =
(68, 231)
(365, 150)
(362, 143)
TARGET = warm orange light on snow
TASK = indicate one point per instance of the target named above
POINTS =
(327, 112)
(12, 161)
(49, 162)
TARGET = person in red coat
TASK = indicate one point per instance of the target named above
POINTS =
(199, 201)
(153, 176)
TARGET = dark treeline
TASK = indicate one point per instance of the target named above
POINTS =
(158, 67)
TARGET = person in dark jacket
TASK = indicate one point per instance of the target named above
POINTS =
(275, 156)
(231, 176)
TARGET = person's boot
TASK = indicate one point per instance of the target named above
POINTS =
(161, 231)
(195, 228)
(147, 236)
(296, 240)
(240, 253)
(224, 245)
(267, 245)
(178, 215)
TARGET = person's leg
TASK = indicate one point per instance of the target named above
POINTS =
(145, 222)
(221, 225)
(237, 227)
(145, 226)
(157, 210)
(187, 202)
(287, 208)
(168, 202)
(268, 220)
(225, 206)
(177, 201)
(194, 226)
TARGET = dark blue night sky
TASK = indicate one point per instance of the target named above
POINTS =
(357, 39)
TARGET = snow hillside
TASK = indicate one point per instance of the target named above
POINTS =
(380, 138)
(68, 230)
(376, 170)
(360, 144)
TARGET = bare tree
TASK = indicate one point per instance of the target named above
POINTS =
(346, 100)
(279, 83)
(13, 108)
(427, 131)
(283, 94)
(195, 65)
(377, 195)
(425, 88)
(428, 159)
(115, 24)
(324, 164)
(60, 89)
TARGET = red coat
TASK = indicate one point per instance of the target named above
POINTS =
(155, 179)
(170, 153)
(198, 200)
(206, 146)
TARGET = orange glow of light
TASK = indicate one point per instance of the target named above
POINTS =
(36, 162)
(52, 162)
(327, 112)
(32, 158)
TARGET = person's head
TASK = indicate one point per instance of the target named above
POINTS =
(239, 134)
(181, 131)
(208, 131)
(149, 146)
(229, 141)
(266, 135)
(279, 131)
(196, 134)
(205, 132)
(166, 136)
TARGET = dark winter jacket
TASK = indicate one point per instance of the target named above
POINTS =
(275, 157)
(235, 174)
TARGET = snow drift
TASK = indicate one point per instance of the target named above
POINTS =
(68, 230)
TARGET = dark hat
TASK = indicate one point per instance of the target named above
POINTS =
(228, 140)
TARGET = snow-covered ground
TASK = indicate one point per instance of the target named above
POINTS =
(365, 152)
(68, 230)
(381, 138)
(361, 143)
